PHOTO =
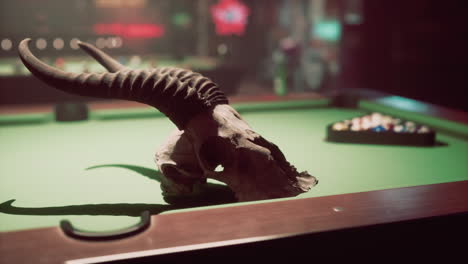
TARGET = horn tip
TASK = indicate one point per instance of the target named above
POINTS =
(25, 41)
(83, 44)
(23, 45)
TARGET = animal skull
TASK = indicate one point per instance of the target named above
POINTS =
(210, 132)
(253, 167)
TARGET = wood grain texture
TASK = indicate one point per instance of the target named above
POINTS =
(296, 216)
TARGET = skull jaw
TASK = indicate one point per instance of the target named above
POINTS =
(186, 187)
(249, 190)
(176, 161)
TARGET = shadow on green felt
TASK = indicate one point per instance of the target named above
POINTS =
(86, 209)
(210, 194)
(143, 171)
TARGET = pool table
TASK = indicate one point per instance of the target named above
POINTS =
(100, 175)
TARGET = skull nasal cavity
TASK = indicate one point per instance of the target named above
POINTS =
(215, 151)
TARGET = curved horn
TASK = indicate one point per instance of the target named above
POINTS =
(178, 93)
(44, 72)
(105, 60)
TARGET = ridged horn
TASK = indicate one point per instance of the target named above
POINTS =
(178, 93)
(52, 76)
(105, 60)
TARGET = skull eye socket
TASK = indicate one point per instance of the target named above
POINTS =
(216, 151)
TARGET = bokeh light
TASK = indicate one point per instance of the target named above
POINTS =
(41, 43)
(6, 44)
(58, 43)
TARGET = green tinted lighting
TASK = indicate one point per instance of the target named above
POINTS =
(328, 30)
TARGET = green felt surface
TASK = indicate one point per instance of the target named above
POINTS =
(100, 173)
(25, 119)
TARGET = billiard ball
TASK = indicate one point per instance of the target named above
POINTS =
(366, 119)
(376, 117)
(410, 124)
(379, 129)
(423, 129)
(399, 129)
(339, 126)
(396, 121)
(411, 129)
(356, 127)
(387, 120)
(366, 125)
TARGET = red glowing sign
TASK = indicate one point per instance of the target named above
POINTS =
(230, 17)
(130, 30)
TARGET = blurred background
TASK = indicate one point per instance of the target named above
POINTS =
(416, 49)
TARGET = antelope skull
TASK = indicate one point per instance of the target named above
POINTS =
(210, 133)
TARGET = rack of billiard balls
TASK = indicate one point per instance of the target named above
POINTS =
(377, 128)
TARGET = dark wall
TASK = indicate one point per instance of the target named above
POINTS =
(29, 90)
(416, 49)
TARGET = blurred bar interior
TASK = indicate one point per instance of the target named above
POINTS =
(415, 49)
